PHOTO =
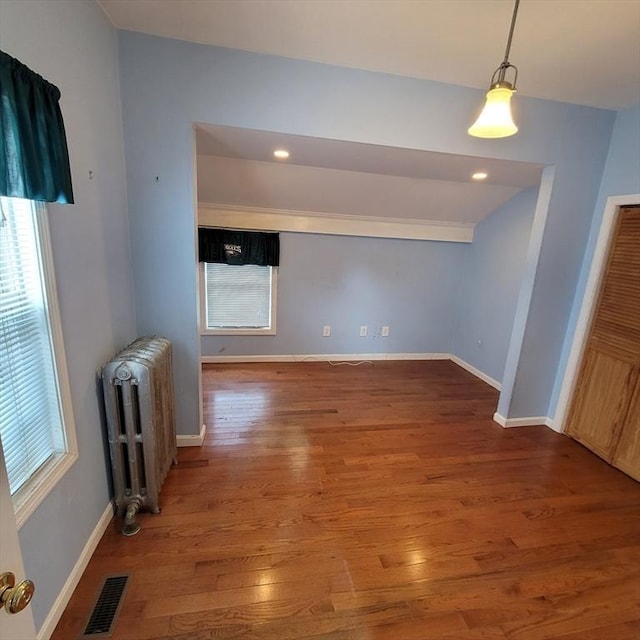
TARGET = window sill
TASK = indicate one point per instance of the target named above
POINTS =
(238, 332)
(29, 497)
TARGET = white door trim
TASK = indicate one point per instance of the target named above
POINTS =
(587, 309)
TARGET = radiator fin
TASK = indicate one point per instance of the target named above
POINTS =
(139, 405)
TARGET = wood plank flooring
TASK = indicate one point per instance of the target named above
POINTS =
(374, 502)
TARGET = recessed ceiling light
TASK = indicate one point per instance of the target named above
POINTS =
(281, 154)
(479, 175)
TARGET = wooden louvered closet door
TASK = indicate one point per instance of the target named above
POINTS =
(605, 411)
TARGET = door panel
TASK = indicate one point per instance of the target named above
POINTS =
(18, 626)
(605, 410)
(616, 325)
(600, 402)
(627, 453)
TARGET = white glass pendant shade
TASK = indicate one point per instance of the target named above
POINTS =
(495, 121)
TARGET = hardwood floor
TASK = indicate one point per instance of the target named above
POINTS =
(375, 502)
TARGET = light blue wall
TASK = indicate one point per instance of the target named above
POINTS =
(73, 45)
(488, 292)
(168, 84)
(347, 282)
(621, 176)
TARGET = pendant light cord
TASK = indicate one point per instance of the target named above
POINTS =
(513, 24)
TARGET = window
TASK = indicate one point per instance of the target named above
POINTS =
(238, 299)
(34, 397)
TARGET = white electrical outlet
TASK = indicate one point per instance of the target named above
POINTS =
(385, 332)
(363, 331)
(326, 331)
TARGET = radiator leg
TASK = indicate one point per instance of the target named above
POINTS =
(131, 526)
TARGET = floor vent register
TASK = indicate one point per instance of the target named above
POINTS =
(107, 607)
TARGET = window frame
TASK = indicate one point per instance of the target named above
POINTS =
(27, 499)
(229, 331)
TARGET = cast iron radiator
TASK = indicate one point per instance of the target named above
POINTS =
(139, 405)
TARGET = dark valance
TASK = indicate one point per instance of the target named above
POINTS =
(34, 160)
(238, 247)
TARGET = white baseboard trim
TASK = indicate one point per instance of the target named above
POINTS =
(476, 372)
(500, 419)
(553, 425)
(52, 619)
(192, 441)
(327, 357)
(533, 421)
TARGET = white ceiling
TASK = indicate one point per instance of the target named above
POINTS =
(250, 144)
(290, 187)
(236, 167)
(581, 51)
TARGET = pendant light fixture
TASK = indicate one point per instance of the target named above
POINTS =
(495, 121)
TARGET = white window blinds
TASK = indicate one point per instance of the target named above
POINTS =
(237, 296)
(30, 416)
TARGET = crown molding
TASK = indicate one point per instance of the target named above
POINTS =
(260, 219)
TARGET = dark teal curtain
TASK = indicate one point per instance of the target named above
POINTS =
(238, 247)
(34, 160)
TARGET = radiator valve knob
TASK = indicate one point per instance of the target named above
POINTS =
(131, 526)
